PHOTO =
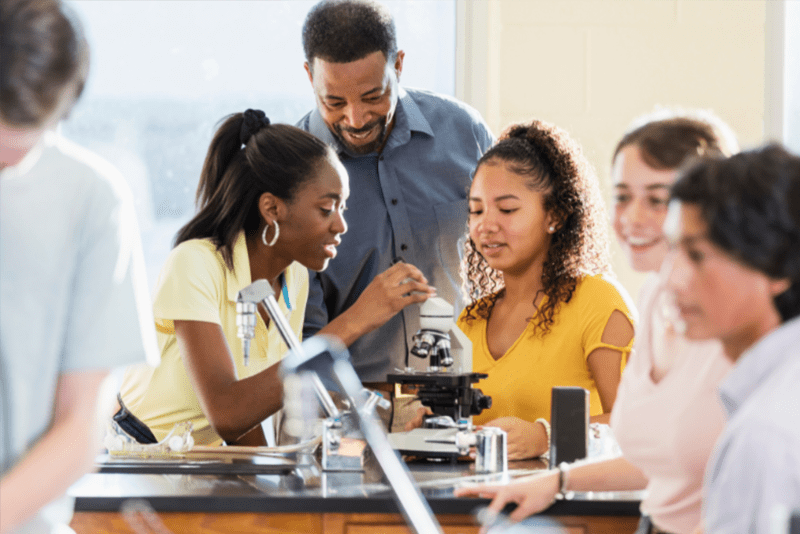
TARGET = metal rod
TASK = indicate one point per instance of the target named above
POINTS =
(412, 503)
(415, 508)
(289, 337)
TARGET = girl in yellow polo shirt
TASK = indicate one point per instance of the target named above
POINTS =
(542, 310)
(271, 199)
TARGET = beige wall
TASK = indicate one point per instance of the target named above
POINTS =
(591, 66)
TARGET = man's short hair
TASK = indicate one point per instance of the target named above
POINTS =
(341, 31)
(751, 204)
(44, 53)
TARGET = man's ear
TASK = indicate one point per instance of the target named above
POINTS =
(308, 71)
(398, 63)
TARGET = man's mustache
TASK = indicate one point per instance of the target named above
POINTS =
(363, 129)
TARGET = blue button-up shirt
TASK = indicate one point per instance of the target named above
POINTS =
(409, 201)
(756, 463)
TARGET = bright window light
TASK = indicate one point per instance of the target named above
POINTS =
(163, 74)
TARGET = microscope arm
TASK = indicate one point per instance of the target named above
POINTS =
(246, 308)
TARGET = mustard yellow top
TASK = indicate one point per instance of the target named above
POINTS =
(520, 382)
(196, 285)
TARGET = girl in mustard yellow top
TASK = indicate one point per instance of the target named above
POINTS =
(542, 310)
(271, 200)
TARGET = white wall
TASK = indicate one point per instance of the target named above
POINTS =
(591, 66)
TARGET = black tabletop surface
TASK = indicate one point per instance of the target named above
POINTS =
(309, 490)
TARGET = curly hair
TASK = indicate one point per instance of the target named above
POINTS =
(554, 164)
(341, 31)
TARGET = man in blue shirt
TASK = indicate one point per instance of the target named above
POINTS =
(410, 155)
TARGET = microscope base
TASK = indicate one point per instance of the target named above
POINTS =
(426, 442)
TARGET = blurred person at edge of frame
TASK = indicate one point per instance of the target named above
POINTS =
(74, 296)
(735, 275)
(667, 416)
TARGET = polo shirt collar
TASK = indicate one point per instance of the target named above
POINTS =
(767, 356)
(408, 118)
(240, 277)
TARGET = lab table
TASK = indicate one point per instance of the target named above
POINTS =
(307, 500)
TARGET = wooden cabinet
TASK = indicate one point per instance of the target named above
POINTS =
(310, 523)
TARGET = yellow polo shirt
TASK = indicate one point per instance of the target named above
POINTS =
(196, 285)
(520, 382)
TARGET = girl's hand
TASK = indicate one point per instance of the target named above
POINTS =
(388, 293)
(418, 419)
(531, 495)
(525, 439)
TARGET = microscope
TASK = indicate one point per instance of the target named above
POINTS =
(445, 386)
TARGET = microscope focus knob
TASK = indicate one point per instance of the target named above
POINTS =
(480, 402)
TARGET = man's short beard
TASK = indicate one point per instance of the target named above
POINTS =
(370, 147)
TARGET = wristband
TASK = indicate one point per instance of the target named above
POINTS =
(546, 424)
(563, 478)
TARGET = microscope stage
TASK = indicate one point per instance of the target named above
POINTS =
(426, 442)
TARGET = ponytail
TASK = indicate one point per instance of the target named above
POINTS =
(248, 157)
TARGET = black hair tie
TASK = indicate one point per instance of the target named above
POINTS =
(253, 121)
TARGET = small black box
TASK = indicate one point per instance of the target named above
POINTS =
(569, 425)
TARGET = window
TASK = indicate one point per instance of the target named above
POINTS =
(163, 73)
(792, 80)
(782, 74)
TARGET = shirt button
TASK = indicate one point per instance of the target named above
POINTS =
(403, 247)
(394, 202)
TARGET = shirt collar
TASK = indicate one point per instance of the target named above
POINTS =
(318, 127)
(408, 118)
(30, 159)
(240, 277)
(767, 356)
